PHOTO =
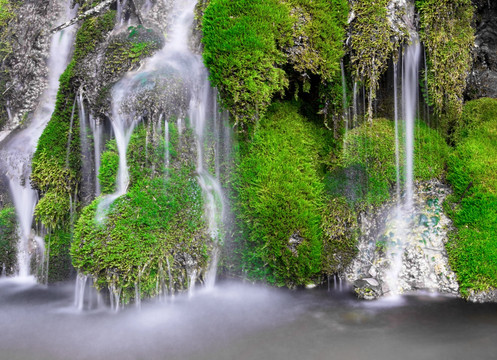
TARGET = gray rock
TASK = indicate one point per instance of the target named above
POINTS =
(482, 81)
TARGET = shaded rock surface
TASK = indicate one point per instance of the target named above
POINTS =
(482, 81)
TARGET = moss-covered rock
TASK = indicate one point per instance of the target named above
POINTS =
(154, 237)
(340, 233)
(280, 199)
(252, 47)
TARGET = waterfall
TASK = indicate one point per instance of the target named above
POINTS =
(396, 119)
(96, 129)
(344, 98)
(410, 88)
(404, 209)
(177, 63)
(17, 150)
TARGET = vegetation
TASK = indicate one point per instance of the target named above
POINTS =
(6, 15)
(448, 38)
(473, 206)
(280, 199)
(372, 45)
(365, 172)
(340, 233)
(125, 51)
(157, 224)
(249, 42)
(8, 239)
(56, 161)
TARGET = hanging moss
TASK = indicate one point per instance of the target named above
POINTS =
(448, 38)
(241, 51)
(372, 44)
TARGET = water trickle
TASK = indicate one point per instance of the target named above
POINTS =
(16, 151)
(166, 139)
(354, 107)
(396, 120)
(79, 291)
(96, 129)
(404, 209)
(409, 105)
(344, 98)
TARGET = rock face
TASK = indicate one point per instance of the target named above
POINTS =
(25, 66)
(482, 82)
(396, 257)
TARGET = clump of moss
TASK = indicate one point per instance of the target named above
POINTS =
(365, 171)
(473, 206)
(153, 235)
(280, 199)
(448, 38)
(248, 44)
(8, 239)
(241, 51)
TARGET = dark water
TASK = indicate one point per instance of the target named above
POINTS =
(239, 321)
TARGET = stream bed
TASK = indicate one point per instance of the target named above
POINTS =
(244, 321)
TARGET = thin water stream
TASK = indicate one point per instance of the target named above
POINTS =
(240, 321)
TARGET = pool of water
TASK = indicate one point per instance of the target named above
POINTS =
(243, 321)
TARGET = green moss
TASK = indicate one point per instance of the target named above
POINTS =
(365, 172)
(56, 161)
(108, 168)
(473, 207)
(249, 43)
(7, 13)
(320, 28)
(241, 51)
(57, 245)
(280, 199)
(125, 51)
(159, 220)
(448, 38)
(430, 153)
(8, 239)
(340, 231)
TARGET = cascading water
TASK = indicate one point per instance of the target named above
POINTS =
(404, 208)
(17, 150)
(190, 100)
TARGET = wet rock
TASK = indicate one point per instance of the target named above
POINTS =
(368, 288)
(482, 81)
(25, 67)
(483, 296)
(404, 255)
